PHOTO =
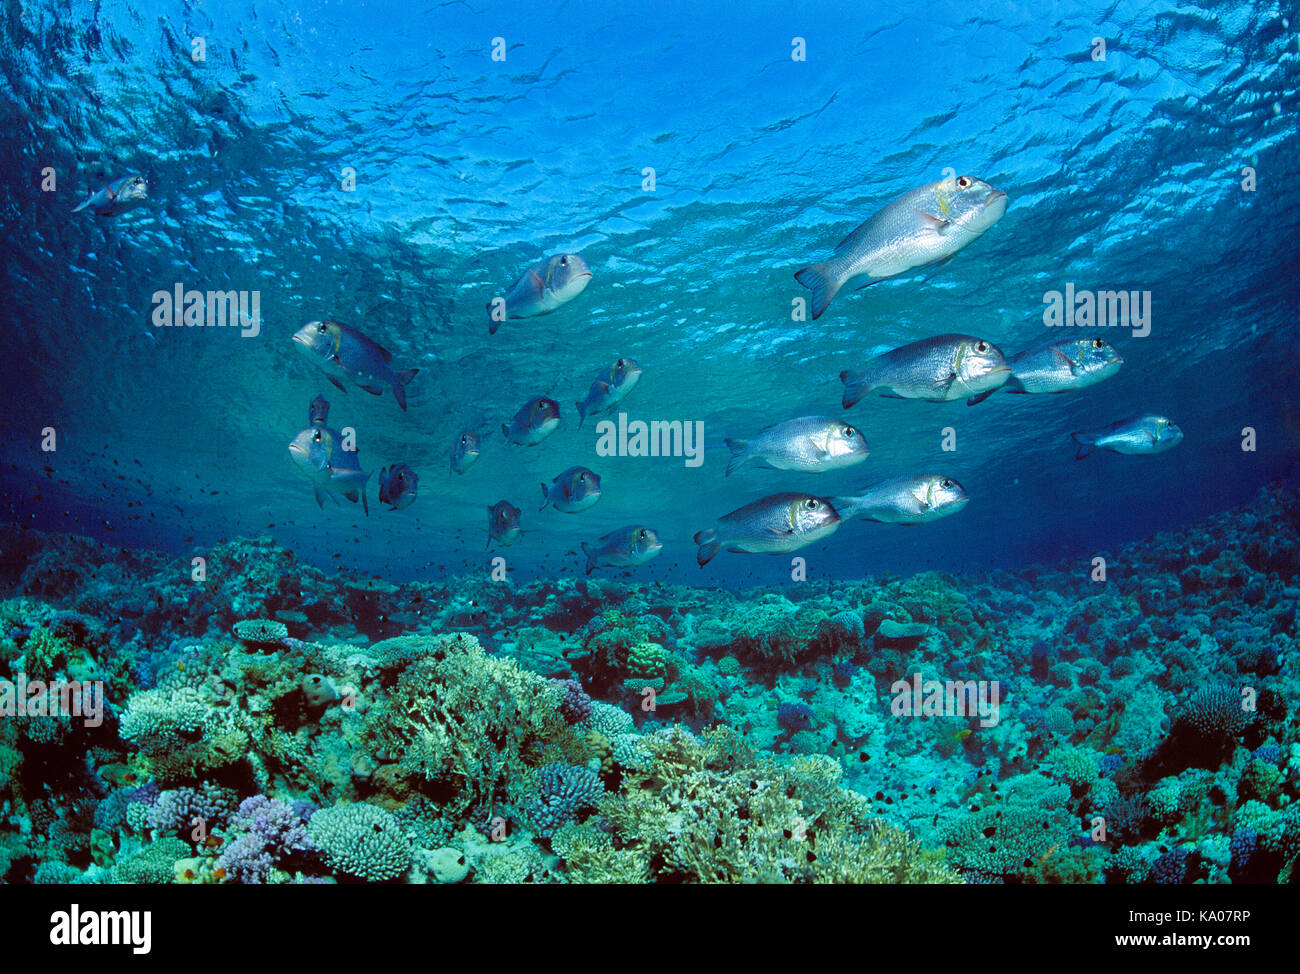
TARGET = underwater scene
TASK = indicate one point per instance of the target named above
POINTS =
(499, 443)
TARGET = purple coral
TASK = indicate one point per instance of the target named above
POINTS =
(273, 833)
(176, 809)
(576, 705)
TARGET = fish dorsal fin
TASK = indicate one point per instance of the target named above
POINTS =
(854, 235)
(384, 353)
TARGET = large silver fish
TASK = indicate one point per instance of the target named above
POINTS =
(809, 444)
(938, 369)
(465, 450)
(342, 352)
(318, 452)
(537, 419)
(1135, 436)
(503, 523)
(923, 226)
(1062, 366)
(545, 286)
(904, 500)
(624, 548)
(573, 491)
(122, 194)
(609, 389)
(773, 525)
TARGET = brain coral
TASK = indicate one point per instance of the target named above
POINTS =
(361, 841)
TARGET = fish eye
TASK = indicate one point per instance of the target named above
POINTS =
(582, 478)
(945, 483)
(963, 182)
(621, 363)
(811, 503)
(643, 533)
(564, 262)
(1098, 343)
(849, 431)
(322, 329)
(981, 346)
(316, 436)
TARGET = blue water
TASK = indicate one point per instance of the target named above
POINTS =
(372, 162)
(1121, 174)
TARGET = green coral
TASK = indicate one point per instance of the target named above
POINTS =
(180, 732)
(708, 810)
(647, 660)
(466, 723)
(1006, 841)
(361, 841)
(155, 863)
(774, 629)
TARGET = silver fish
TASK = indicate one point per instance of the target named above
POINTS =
(122, 194)
(904, 500)
(573, 491)
(624, 548)
(345, 353)
(1062, 366)
(938, 369)
(810, 444)
(536, 420)
(318, 452)
(318, 411)
(610, 388)
(465, 450)
(503, 523)
(398, 486)
(923, 226)
(1135, 436)
(774, 525)
(544, 287)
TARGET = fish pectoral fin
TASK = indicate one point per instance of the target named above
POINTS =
(946, 384)
(342, 388)
(374, 390)
(934, 222)
(1062, 357)
(976, 400)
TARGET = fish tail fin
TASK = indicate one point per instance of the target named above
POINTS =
(399, 387)
(582, 414)
(739, 454)
(976, 400)
(709, 546)
(856, 385)
(82, 206)
(819, 279)
(1087, 444)
(591, 556)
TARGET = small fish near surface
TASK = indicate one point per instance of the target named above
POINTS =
(609, 389)
(1062, 366)
(938, 369)
(774, 525)
(573, 491)
(904, 500)
(343, 352)
(924, 226)
(503, 523)
(1135, 436)
(548, 284)
(466, 450)
(625, 548)
(318, 452)
(537, 419)
(398, 486)
(809, 444)
(121, 195)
